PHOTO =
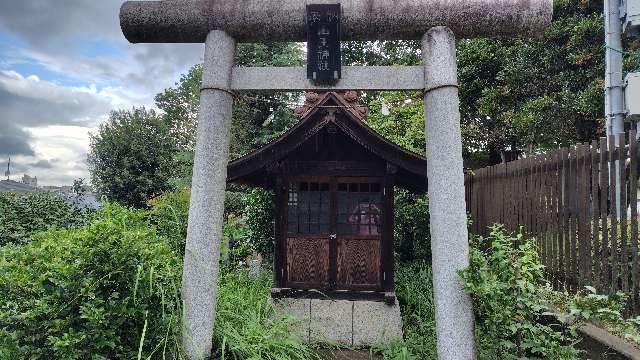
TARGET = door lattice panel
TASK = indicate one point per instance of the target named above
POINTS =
(308, 261)
(358, 263)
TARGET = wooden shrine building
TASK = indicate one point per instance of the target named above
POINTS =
(333, 179)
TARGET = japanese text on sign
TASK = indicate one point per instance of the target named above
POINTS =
(323, 43)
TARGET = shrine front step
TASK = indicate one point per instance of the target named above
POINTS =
(353, 323)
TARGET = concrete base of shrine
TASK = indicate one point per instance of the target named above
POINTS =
(354, 323)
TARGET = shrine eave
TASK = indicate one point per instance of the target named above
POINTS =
(252, 168)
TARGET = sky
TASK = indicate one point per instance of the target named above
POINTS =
(64, 65)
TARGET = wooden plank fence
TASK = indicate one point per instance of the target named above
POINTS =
(567, 200)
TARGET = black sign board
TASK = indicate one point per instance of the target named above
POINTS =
(323, 43)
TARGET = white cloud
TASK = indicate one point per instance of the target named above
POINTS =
(46, 23)
(47, 124)
(44, 121)
(65, 148)
(29, 101)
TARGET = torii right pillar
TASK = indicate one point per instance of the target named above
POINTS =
(447, 209)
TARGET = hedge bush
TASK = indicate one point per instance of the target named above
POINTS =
(169, 213)
(259, 219)
(89, 292)
(411, 227)
(24, 214)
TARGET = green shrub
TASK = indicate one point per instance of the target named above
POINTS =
(411, 226)
(236, 246)
(234, 199)
(505, 283)
(605, 310)
(169, 213)
(258, 212)
(590, 305)
(88, 292)
(24, 214)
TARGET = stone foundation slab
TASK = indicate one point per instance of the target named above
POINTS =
(353, 323)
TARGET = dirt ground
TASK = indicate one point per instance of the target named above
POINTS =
(341, 354)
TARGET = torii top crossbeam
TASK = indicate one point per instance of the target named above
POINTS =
(189, 21)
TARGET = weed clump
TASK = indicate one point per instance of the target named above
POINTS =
(504, 282)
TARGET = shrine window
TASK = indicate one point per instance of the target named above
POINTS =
(309, 208)
(359, 209)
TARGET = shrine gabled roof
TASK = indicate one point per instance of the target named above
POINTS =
(412, 168)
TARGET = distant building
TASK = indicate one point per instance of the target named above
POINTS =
(28, 184)
(31, 181)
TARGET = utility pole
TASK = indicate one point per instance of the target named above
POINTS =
(614, 103)
(614, 95)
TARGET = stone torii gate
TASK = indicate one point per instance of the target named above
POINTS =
(222, 23)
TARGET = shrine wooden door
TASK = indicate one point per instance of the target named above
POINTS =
(358, 234)
(308, 236)
(333, 233)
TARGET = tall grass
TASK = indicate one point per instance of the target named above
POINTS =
(247, 326)
(414, 289)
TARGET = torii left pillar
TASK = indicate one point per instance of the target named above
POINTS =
(202, 251)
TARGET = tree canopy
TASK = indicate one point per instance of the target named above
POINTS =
(530, 94)
(522, 95)
(131, 156)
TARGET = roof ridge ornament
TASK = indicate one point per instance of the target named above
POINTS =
(347, 100)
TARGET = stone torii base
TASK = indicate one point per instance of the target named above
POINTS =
(219, 23)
